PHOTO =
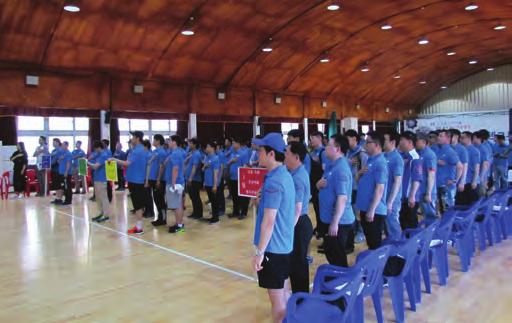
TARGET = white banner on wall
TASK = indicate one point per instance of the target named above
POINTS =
(496, 122)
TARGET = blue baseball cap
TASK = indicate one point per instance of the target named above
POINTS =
(273, 140)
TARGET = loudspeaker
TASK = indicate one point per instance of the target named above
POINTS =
(108, 115)
(260, 121)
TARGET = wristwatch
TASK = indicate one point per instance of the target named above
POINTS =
(258, 252)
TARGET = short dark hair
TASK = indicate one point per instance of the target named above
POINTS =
(211, 143)
(279, 154)
(79, 142)
(393, 136)
(352, 133)
(176, 139)
(377, 137)
(467, 133)
(65, 143)
(147, 143)
(158, 137)
(296, 133)
(342, 142)
(97, 144)
(298, 148)
(409, 135)
(195, 142)
(446, 131)
(105, 142)
(500, 137)
(433, 132)
(317, 134)
(43, 137)
(57, 140)
(455, 132)
(485, 134)
(478, 134)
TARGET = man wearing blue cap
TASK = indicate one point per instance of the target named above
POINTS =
(275, 222)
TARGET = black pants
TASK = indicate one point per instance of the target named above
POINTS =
(159, 196)
(148, 201)
(352, 236)
(55, 184)
(299, 269)
(408, 216)
(41, 180)
(120, 178)
(316, 203)
(66, 187)
(221, 200)
(194, 190)
(240, 203)
(335, 246)
(109, 191)
(372, 230)
(468, 197)
(214, 202)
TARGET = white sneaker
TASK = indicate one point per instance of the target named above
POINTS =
(20, 197)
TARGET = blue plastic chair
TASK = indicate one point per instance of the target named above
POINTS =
(439, 246)
(499, 216)
(334, 305)
(463, 237)
(408, 251)
(372, 263)
(484, 222)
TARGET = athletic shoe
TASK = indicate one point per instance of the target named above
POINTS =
(159, 222)
(232, 215)
(92, 199)
(96, 218)
(134, 230)
(76, 192)
(103, 219)
(193, 216)
(360, 238)
(148, 215)
(56, 201)
(242, 216)
(213, 220)
(65, 203)
(176, 229)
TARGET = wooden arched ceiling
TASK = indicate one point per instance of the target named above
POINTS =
(142, 39)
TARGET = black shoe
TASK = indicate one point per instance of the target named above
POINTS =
(175, 229)
(159, 222)
(92, 199)
(76, 192)
(148, 216)
(103, 219)
(195, 217)
(213, 220)
(232, 215)
(56, 201)
(242, 216)
(96, 218)
(65, 203)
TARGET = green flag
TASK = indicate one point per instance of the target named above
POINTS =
(333, 129)
(82, 167)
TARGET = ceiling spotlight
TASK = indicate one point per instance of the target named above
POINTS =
(386, 26)
(365, 68)
(473, 62)
(277, 99)
(500, 27)
(396, 76)
(188, 29)
(323, 103)
(444, 87)
(490, 69)
(324, 58)
(423, 41)
(334, 6)
(471, 7)
(71, 6)
(267, 46)
(450, 53)
(423, 82)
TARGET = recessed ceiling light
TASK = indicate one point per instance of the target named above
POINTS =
(187, 32)
(386, 26)
(396, 76)
(489, 69)
(365, 68)
(267, 49)
(267, 46)
(188, 29)
(334, 6)
(450, 53)
(471, 7)
(500, 27)
(325, 58)
(444, 87)
(423, 82)
(71, 6)
(473, 62)
(423, 41)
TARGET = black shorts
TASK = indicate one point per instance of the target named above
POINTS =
(276, 269)
(138, 195)
(56, 181)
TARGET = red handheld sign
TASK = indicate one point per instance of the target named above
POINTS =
(250, 181)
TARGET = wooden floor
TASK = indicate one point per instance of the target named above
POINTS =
(57, 266)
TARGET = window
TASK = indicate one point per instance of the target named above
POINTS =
(139, 124)
(123, 124)
(321, 127)
(65, 128)
(286, 127)
(160, 125)
(365, 129)
(149, 127)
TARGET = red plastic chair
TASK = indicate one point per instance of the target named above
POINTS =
(31, 181)
(5, 184)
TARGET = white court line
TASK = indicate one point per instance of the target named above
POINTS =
(154, 245)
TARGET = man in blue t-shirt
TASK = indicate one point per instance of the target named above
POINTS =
(55, 156)
(371, 192)
(275, 221)
(485, 164)
(293, 158)
(295, 135)
(411, 181)
(335, 193)
(470, 194)
(394, 192)
(222, 183)
(462, 153)
(79, 180)
(318, 162)
(500, 163)
(136, 176)
(64, 175)
(449, 171)
(121, 155)
(237, 158)
(175, 179)
(428, 187)
(194, 179)
(155, 181)
(212, 174)
(100, 182)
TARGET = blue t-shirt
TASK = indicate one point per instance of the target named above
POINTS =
(242, 159)
(448, 171)
(157, 158)
(66, 157)
(395, 168)
(307, 163)
(473, 160)
(195, 160)
(361, 159)
(413, 172)
(484, 156)
(211, 165)
(119, 154)
(318, 155)
(55, 155)
(302, 188)
(276, 194)
(462, 153)
(99, 174)
(136, 171)
(377, 174)
(77, 153)
(339, 182)
(429, 162)
(500, 160)
(175, 158)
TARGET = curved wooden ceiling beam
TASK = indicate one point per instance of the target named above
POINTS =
(156, 61)
(256, 51)
(42, 61)
(310, 64)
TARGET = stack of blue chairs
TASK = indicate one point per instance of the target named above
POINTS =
(338, 292)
